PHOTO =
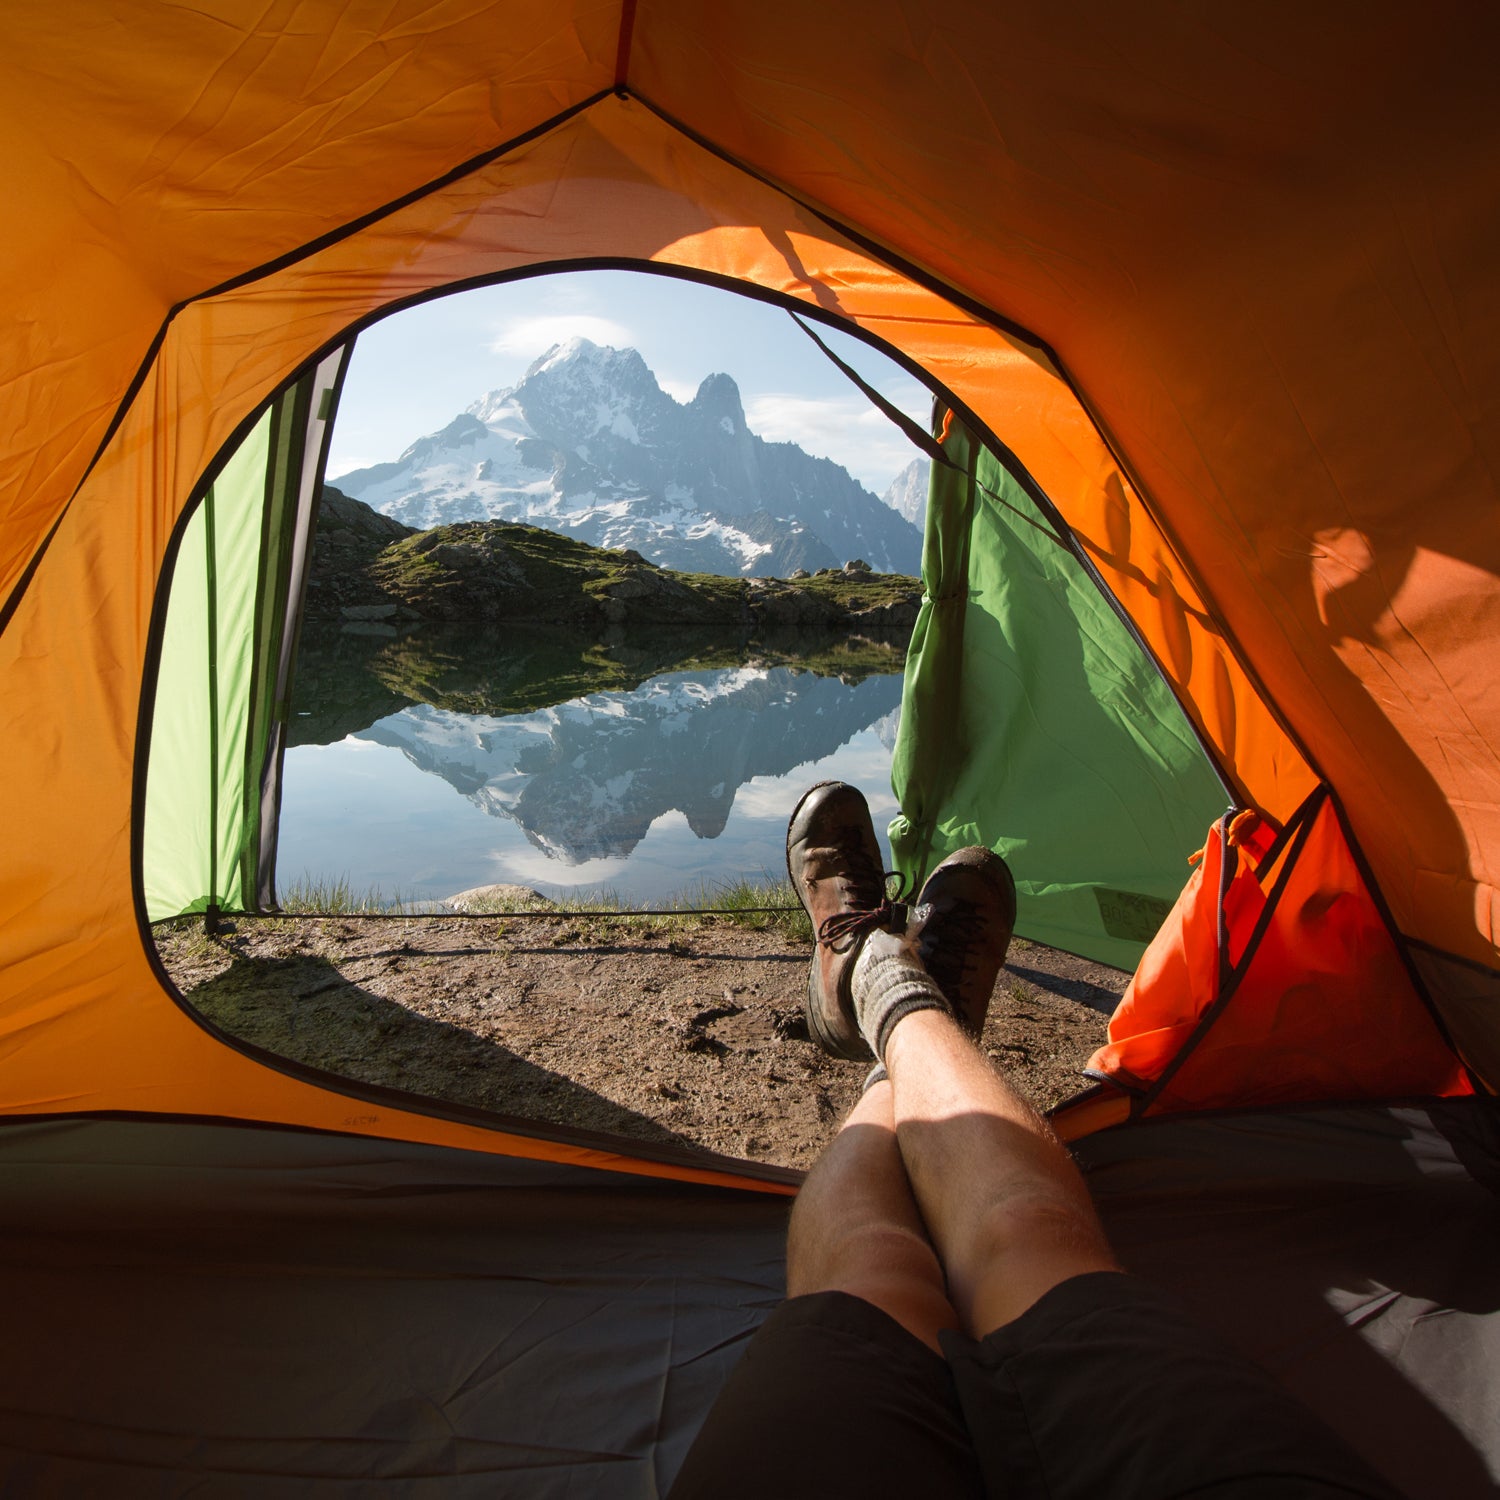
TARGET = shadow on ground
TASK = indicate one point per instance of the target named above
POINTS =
(304, 1009)
(1095, 996)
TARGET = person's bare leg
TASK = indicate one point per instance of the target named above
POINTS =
(828, 1398)
(855, 1226)
(1002, 1203)
(1000, 1197)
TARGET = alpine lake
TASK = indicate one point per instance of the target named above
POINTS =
(644, 766)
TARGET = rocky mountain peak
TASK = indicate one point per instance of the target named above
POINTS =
(718, 399)
(581, 362)
(580, 391)
(907, 493)
(569, 351)
(463, 431)
(588, 443)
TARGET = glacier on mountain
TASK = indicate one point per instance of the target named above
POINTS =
(587, 443)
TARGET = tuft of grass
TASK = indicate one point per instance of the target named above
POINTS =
(738, 900)
(334, 896)
(604, 898)
(187, 935)
(592, 924)
(603, 909)
(741, 899)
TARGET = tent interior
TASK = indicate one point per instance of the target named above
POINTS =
(1212, 326)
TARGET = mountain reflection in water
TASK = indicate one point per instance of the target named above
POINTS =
(583, 748)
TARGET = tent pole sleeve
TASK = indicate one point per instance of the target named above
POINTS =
(211, 585)
(298, 505)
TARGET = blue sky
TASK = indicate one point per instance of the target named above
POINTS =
(415, 371)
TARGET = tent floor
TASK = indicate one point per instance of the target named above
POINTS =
(229, 1310)
(1353, 1251)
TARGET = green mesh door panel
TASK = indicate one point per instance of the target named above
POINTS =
(228, 643)
(195, 829)
(1035, 723)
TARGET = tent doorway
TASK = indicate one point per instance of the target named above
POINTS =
(257, 583)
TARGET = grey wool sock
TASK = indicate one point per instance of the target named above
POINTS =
(889, 982)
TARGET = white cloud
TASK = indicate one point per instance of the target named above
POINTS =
(531, 337)
(846, 429)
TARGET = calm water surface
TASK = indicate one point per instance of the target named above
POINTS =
(684, 780)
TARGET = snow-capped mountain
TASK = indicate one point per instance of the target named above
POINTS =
(589, 444)
(907, 493)
(587, 778)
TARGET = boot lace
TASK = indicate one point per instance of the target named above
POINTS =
(867, 912)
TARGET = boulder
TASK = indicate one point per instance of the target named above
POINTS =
(794, 607)
(502, 897)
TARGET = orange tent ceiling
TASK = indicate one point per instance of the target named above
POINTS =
(1259, 243)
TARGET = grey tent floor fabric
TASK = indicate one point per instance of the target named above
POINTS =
(215, 1309)
(1353, 1251)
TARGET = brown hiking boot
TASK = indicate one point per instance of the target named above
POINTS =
(833, 859)
(961, 924)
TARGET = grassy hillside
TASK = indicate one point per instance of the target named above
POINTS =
(367, 568)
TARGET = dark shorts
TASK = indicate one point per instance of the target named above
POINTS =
(1106, 1387)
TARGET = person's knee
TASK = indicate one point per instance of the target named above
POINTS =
(887, 1266)
(1022, 1248)
(1038, 1221)
(848, 1256)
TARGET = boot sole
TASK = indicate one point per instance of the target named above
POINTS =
(965, 1000)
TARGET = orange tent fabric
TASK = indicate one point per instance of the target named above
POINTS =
(1275, 981)
(1233, 308)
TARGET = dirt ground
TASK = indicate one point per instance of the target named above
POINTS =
(679, 1031)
